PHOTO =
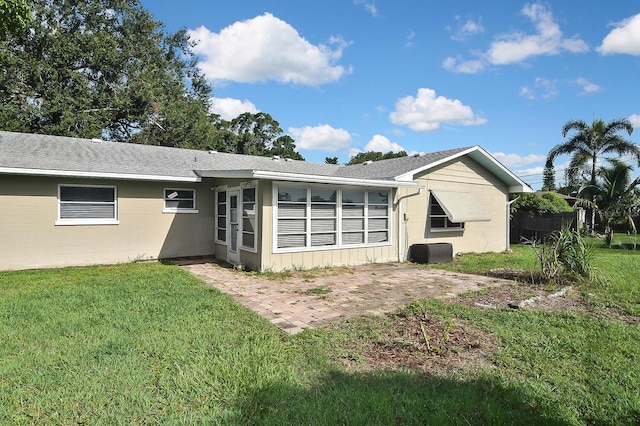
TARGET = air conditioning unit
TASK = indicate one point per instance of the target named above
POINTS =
(431, 253)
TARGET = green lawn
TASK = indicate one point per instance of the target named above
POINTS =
(148, 343)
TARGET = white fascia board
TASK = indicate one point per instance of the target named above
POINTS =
(520, 189)
(226, 174)
(409, 175)
(96, 175)
(258, 174)
(298, 177)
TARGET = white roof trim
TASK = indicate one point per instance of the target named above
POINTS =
(298, 177)
(97, 175)
(409, 175)
(461, 206)
(520, 186)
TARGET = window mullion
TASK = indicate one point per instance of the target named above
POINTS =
(366, 217)
(308, 221)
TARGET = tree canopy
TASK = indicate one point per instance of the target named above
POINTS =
(363, 157)
(103, 68)
(14, 16)
(107, 68)
(615, 195)
(588, 143)
(541, 204)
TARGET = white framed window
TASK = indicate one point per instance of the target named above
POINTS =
(439, 221)
(87, 205)
(314, 218)
(221, 216)
(177, 200)
(249, 217)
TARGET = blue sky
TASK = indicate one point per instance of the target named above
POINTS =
(344, 76)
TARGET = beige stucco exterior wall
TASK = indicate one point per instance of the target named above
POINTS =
(317, 258)
(30, 239)
(463, 175)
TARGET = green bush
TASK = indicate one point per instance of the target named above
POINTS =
(541, 204)
(563, 254)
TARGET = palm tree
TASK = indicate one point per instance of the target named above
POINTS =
(616, 196)
(588, 143)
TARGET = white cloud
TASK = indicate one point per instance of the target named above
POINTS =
(322, 137)
(515, 47)
(266, 48)
(410, 38)
(542, 89)
(472, 66)
(426, 112)
(625, 38)
(515, 160)
(635, 120)
(587, 86)
(382, 144)
(369, 6)
(465, 30)
(229, 108)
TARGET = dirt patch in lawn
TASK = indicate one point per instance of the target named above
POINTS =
(420, 341)
(429, 344)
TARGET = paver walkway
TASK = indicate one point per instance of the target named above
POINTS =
(308, 299)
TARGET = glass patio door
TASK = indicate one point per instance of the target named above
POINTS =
(232, 225)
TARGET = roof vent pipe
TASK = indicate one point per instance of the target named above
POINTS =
(276, 158)
(96, 140)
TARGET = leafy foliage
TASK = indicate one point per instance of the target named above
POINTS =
(541, 204)
(257, 134)
(588, 143)
(14, 16)
(363, 157)
(563, 255)
(331, 160)
(616, 196)
(106, 68)
(94, 68)
(549, 178)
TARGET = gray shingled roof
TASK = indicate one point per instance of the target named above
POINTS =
(394, 167)
(42, 154)
(57, 153)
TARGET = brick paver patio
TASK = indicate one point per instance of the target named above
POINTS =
(308, 299)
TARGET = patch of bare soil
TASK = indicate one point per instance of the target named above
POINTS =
(441, 346)
(433, 345)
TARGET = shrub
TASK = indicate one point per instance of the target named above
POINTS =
(541, 204)
(564, 255)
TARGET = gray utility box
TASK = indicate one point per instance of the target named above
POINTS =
(431, 253)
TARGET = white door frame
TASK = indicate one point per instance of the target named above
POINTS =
(233, 225)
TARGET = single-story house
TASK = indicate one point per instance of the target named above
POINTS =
(70, 201)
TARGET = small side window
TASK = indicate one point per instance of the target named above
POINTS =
(179, 200)
(439, 219)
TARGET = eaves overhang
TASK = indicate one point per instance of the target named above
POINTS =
(298, 177)
(96, 175)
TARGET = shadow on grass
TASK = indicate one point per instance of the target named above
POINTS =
(625, 246)
(383, 398)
